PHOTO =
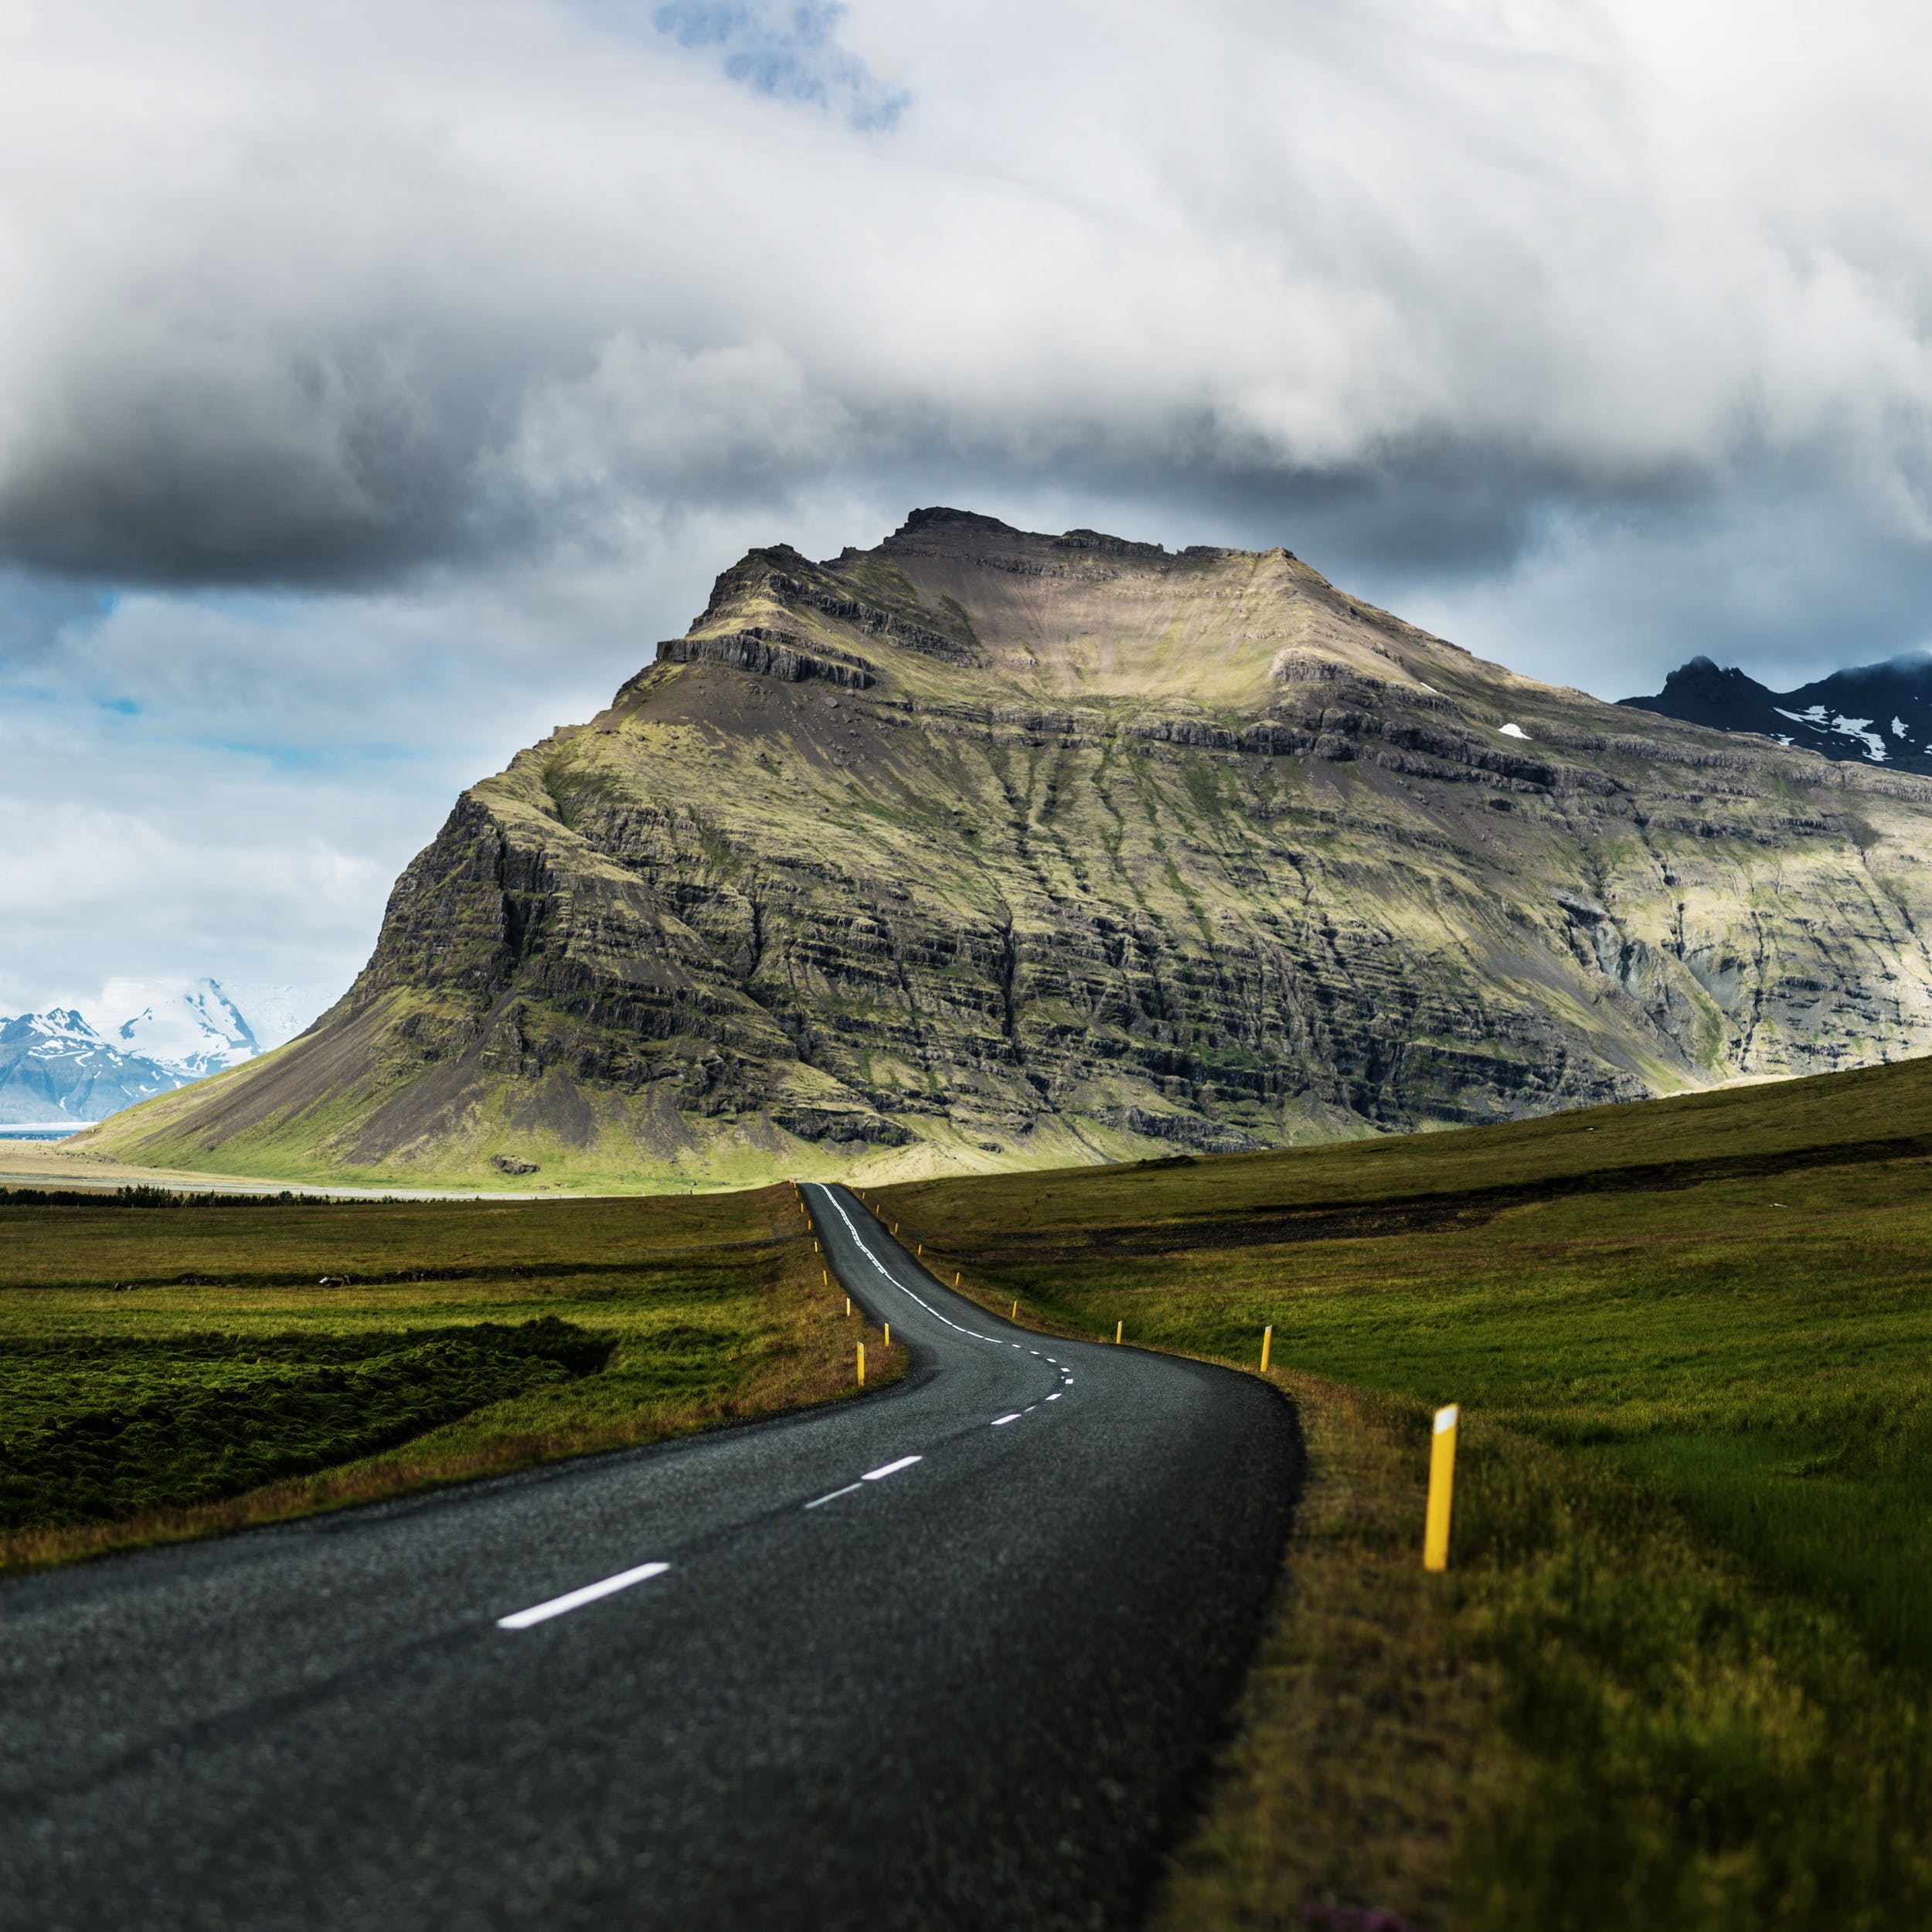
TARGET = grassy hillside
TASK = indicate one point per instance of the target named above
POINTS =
(625, 1154)
(1681, 1673)
(171, 1366)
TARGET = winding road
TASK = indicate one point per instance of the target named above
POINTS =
(946, 1657)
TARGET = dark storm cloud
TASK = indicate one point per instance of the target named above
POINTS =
(329, 466)
(363, 289)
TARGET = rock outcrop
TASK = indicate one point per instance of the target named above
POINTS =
(985, 847)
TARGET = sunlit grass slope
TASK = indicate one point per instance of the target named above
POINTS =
(1692, 1338)
(172, 1365)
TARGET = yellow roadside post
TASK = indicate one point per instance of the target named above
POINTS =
(861, 1365)
(920, 1251)
(1118, 1328)
(889, 1335)
(1442, 1482)
(848, 1304)
(1015, 1314)
(1267, 1335)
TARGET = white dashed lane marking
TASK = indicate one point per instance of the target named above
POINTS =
(871, 1475)
(625, 1579)
(886, 1275)
(957, 1327)
(818, 1501)
(576, 1599)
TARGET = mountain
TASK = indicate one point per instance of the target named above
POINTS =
(58, 1065)
(195, 1030)
(1878, 714)
(55, 1067)
(985, 848)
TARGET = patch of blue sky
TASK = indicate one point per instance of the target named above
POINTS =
(328, 758)
(15, 692)
(788, 49)
(35, 611)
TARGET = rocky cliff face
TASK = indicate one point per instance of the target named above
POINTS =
(984, 847)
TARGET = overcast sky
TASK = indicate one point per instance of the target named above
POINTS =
(379, 381)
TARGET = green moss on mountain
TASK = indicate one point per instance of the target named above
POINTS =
(986, 849)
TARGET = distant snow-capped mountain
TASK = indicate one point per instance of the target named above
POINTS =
(1879, 714)
(59, 1065)
(196, 1031)
(55, 1067)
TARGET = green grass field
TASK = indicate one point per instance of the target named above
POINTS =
(1679, 1675)
(1694, 1536)
(175, 1365)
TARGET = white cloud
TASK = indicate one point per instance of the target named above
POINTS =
(355, 277)
(378, 380)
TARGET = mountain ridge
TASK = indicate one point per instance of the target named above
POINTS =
(58, 1067)
(1879, 714)
(986, 847)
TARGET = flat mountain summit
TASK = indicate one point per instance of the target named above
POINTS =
(985, 848)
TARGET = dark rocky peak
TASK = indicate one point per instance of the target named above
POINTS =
(939, 522)
(960, 540)
(1871, 714)
(1699, 693)
(1908, 679)
(966, 534)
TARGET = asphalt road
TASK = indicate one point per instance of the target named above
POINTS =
(949, 1656)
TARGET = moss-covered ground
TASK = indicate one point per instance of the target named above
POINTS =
(175, 1365)
(1680, 1672)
